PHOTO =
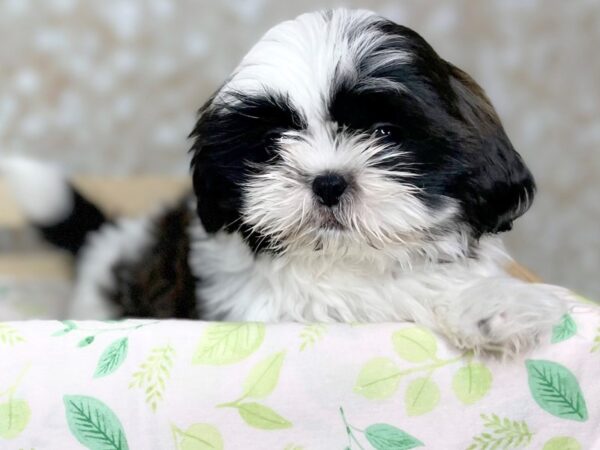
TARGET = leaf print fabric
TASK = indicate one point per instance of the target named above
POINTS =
(566, 329)
(153, 374)
(184, 385)
(501, 434)
(94, 424)
(9, 335)
(199, 436)
(228, 343)
(261, 381)
(556, 390)
(112, 357)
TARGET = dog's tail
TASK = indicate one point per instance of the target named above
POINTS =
(50, 202)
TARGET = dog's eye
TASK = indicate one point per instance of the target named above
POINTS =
(385, 131)
(271, 137)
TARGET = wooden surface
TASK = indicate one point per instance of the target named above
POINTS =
(129, 196)
(36, 266)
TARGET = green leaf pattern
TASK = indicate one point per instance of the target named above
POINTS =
(472, 382)
(422, 395)
(112, 358)
(381, 436)
(199, 436)
(566, 329)
(404, 372)
(263, 378)
(501, 434)
(9, 335)
(379, 378)
(386, 437)
(562, 443)
(415, 344)
(596, 345)
(311, 334)
(228, 343)
(94, 424)
(14, 417)
(153, 374)
(262, 417)
(556, 390)
(260, 383)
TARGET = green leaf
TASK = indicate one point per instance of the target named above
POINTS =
(201, 436)
(112, 358)
(378, 379)
(153, 374)
(596, 345)
(556, 390)
(472, 382)
(260, 416)
(422, 395)
(564, 330)
(562, 443)
(9, 335)
(264, 376)
(386, 437)
(88, 340)
(310, 334)
(14, 417)
(415, 344)
(502, 434)
(228, 343)
(93, 423)
(69, 326)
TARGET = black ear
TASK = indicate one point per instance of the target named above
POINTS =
(496, 186)
(231, 140)
(214, 174)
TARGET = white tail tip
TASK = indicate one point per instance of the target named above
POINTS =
(41, 190)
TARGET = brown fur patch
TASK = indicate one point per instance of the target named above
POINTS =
(160, 284)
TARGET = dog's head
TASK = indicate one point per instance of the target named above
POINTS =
(344, 130)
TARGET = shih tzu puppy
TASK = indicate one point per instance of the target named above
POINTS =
(344, 172)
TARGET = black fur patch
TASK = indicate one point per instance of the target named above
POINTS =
(230, 138)
(444, 125)
(160, 284)
(71, 232)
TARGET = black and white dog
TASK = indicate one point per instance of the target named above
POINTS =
(344, 172)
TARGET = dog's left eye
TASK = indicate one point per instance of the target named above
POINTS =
(385, 131)
(272, 136)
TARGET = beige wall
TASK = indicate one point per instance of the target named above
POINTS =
(111, 87)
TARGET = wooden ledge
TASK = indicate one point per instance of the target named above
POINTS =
(127, 196)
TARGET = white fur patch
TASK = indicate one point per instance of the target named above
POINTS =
(474, 302)
(376, 211)
(40, 189)
(301, 57)
(123, 242)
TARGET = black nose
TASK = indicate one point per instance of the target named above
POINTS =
(329, 188)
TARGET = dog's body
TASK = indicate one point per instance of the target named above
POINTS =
(344, 172)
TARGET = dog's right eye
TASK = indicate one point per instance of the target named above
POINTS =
(386, 131)
(272, 136)
(271, 139)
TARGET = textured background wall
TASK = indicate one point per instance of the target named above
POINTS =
(112, 86)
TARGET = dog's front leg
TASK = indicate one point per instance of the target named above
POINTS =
(499, 315)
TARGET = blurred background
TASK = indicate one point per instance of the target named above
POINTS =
(111, 87)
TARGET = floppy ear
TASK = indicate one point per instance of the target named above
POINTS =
(497, 187)
(213, 174)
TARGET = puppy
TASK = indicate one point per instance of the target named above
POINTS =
(344, 172)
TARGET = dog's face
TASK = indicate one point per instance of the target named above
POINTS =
(343, 130)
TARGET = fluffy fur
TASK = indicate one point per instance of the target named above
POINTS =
(343, 173)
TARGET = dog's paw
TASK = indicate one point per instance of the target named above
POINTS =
(503, 317)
